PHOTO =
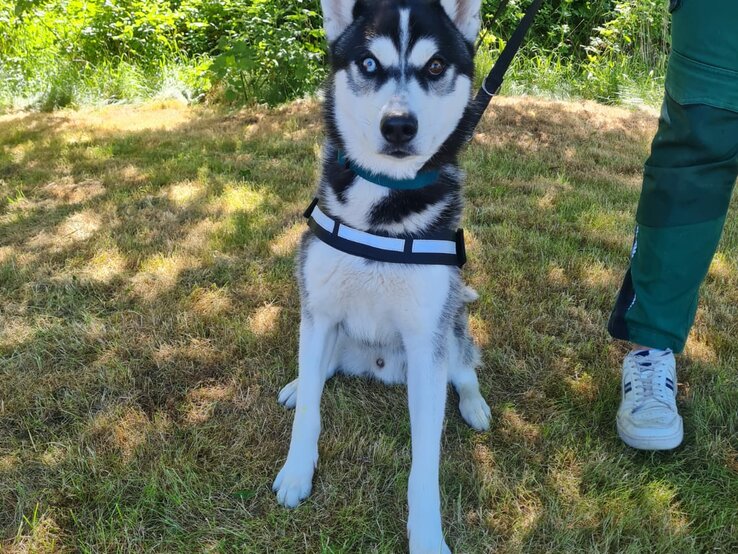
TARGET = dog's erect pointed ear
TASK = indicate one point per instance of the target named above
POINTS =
(337, 15)
(465, 15)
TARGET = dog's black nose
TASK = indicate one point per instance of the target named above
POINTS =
(399, 129)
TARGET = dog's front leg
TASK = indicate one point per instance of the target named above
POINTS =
(317, 341)
(426, 391)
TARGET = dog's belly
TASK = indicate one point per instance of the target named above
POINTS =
(372, 329)
(373, 302)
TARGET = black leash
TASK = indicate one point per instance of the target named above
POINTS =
(492, 83)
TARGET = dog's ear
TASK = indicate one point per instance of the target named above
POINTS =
(337, 15)
(465, 15)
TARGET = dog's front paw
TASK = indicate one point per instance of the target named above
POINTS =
(288, 395)
(427, 543)
(429, 548)
(293, 484)
(475, 411)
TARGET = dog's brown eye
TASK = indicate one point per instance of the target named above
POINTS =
(436, 67)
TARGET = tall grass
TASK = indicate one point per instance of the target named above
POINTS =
(615, 80)
(618, 56)
(71, 84)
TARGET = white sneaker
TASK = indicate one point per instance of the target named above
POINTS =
(648, 418)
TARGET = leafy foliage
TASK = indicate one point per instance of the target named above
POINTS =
(276, 54)
(260, 51)
(597, 49)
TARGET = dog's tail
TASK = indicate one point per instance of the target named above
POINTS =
(468, 294)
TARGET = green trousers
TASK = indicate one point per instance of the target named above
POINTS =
(687, 180)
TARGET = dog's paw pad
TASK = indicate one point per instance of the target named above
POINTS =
(475, 412)
(292, 486)
(288, 395)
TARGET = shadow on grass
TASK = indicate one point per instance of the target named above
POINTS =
(150, 316)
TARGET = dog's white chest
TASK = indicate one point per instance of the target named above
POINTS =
(373, 300)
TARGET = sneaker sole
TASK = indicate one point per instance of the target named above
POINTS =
(653, 443)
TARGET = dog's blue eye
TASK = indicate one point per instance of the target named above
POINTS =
(369, 64)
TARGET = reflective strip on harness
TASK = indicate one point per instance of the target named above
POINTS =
(442, 249)
(375, 241)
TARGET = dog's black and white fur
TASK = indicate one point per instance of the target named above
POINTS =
(400, 82)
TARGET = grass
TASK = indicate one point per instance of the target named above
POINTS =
(65, 84)
(149, 318)
(613, 79)
(620, 80)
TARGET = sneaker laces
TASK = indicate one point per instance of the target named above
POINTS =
(649, 382)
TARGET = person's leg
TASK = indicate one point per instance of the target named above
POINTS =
(688, 180)
(687, 184)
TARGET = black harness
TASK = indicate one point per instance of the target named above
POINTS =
(444, 248)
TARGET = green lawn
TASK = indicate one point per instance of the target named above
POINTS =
(149, 315)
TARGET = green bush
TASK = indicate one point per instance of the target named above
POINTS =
(627, 50)
(61, 52)
(600, 49)
(277, 53)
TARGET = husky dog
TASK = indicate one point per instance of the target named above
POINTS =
(401, 80)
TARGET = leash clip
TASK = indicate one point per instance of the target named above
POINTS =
(496, 89)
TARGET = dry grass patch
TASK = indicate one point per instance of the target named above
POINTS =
(149, 317)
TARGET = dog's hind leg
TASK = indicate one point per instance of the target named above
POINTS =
(463, 376)
(426, 393)
(464, 359)
(318, 337)
(288, 395)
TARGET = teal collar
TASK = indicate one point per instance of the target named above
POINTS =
(422, 179)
